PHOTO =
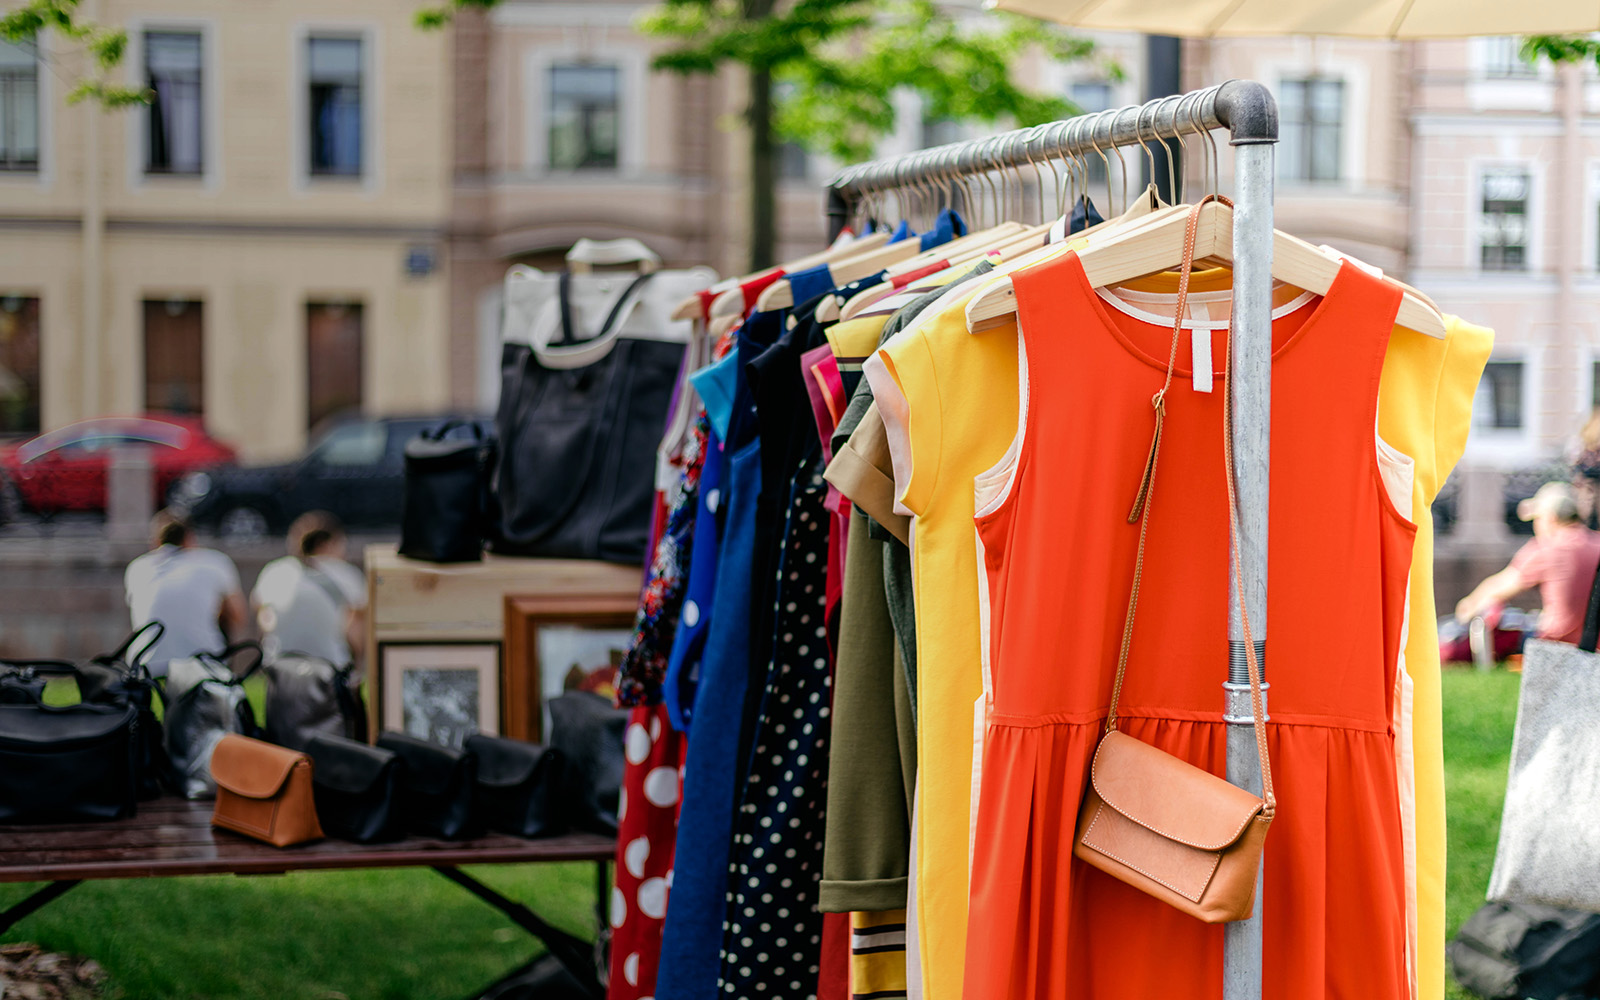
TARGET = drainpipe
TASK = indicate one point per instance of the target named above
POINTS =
(1565, 350)
(89, 348)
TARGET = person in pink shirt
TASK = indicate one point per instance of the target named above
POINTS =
(1560, 560)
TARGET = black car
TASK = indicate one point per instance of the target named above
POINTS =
(355, 469)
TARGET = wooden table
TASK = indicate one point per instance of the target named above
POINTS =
(171, 837)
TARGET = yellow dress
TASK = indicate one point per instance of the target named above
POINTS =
(1424, 410)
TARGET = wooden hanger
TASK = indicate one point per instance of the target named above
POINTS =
(779, 295)
(1158, 245)
(689, 308)
(962, 247)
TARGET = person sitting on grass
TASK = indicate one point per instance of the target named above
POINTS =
(1560, 560)
(193, 591)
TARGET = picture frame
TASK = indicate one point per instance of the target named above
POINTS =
(556, 643)
(440, 691)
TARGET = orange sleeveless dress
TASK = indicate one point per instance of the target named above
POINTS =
(1058, 557)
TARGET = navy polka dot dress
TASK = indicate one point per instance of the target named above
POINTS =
(773, 932)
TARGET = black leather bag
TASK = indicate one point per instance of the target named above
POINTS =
(206, 701)
(22, 682)
(448, 501)
(518, 785)
(357, 789)
(1506, 951)
(579, 422)
(66, 764)
(588, 732)
(307, 695)
(122, 677)
(437, 789)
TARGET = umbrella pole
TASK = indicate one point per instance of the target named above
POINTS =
(1253, 136)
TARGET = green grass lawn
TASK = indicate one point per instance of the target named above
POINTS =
(1480, 710)
(410, 935)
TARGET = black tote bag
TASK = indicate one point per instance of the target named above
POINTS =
(448, 507)
(579, 422)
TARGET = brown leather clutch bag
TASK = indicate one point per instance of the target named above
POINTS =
(264, 791)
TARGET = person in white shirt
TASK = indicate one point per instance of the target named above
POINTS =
(194, 592)
(312, 601)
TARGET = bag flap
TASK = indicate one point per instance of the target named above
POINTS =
(1171, 797)
(346, 765)
(506, 763)
(251, 768)
(430, 768)
(46, 726)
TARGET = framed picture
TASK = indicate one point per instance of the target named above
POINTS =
(440, 691)
(560, 643)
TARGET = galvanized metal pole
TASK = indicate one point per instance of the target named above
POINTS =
(1254, 131)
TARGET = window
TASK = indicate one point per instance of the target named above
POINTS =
(1594, 385)
(335, 70)
(352, 444)
(1503, 59)
(584, 117)
(1311, 123)
(1498, 405)
(940, 131)
(333, 359)
(19, 107)
(1503, 225)
(1090, 95)
(172, 64)
(174, 368)
(794, 162)
(19, 365)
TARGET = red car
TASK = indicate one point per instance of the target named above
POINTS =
(65, 469)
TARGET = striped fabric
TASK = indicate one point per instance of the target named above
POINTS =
(878, 955)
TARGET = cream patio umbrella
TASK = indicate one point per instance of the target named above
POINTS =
(1357, 18)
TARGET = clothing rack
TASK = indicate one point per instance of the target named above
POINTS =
(1250, 115)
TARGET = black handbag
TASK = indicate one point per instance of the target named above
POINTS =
(206, 701)
(122, 677)
(70, 763)
(518, 785)
(448, 499)
(357, 789)
(579, 422)
(1506, 951)
(588, 732)
(437, 788)
(307, 695)
(22, 682)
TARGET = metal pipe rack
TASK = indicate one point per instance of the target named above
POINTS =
(1247, 111)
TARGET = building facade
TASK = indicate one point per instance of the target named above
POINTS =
(263, 245)
(1473, 174)
(564, 131)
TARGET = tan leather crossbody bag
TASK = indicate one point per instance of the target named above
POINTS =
(1158, 823)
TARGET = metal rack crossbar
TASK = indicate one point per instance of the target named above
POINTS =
(1249, 114)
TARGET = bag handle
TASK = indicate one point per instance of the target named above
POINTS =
(438, 433)
(614, 318)
(1591, 617)
(228, 652)
(1143, 501)
(143, 659)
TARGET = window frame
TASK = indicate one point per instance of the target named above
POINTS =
(1310, 127)
(8, 166)
(308, 83)
(370, 180)
(549, 90)
(203, 126)
(1496, 65)
(1481, 200)
(1493, 425)
(636, 102)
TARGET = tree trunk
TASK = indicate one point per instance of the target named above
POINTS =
(763, 173)
(763, 161)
